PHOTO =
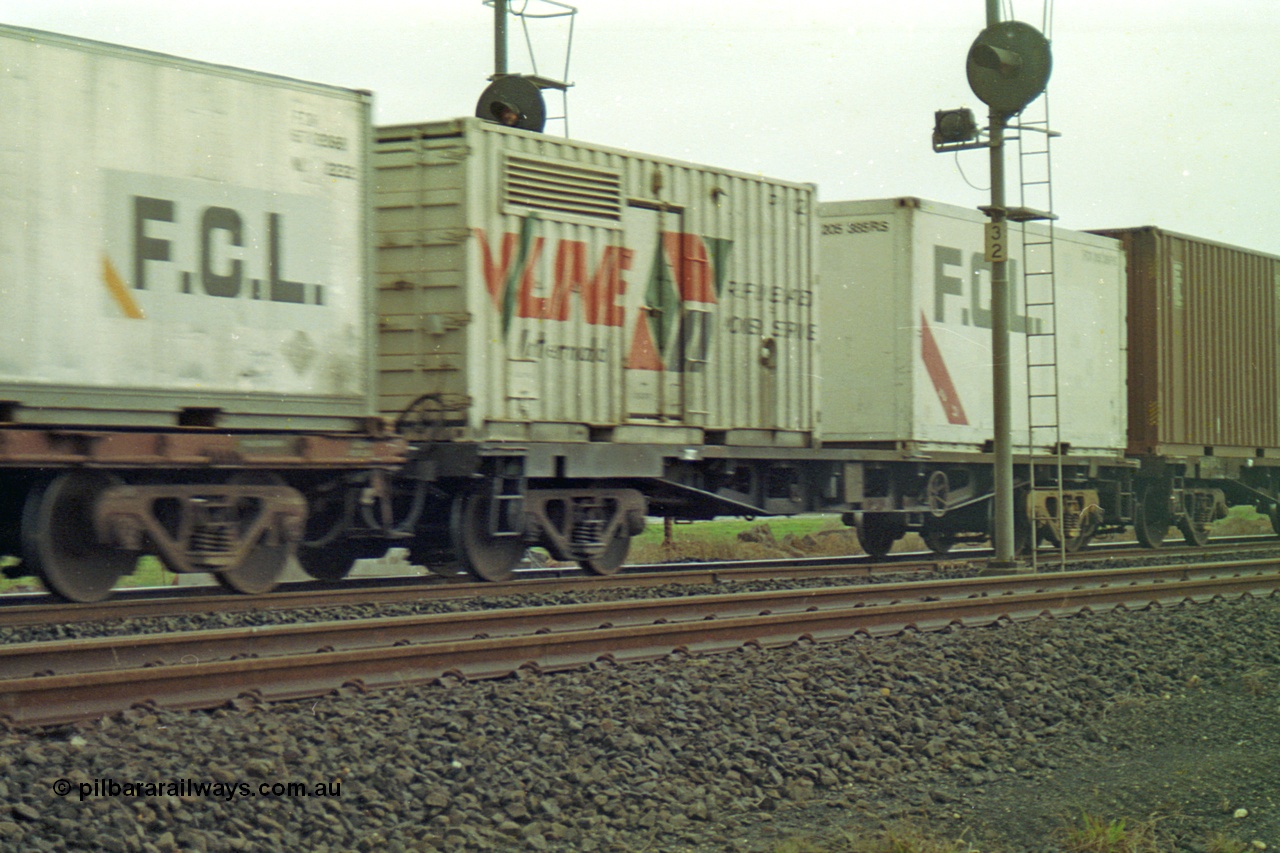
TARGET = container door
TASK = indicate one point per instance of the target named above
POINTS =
(655, 364)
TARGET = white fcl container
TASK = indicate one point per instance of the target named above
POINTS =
(905, 308)
(180, 243)
(539, 288)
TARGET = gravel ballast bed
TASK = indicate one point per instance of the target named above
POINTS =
(998, 733)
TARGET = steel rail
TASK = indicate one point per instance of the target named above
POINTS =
(428, 589)
(380, 656)
(204, 646)
(129, 604)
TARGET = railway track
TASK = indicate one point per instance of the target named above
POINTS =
(59, 682)
(25, 609)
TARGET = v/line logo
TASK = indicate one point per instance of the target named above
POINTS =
(674, 322)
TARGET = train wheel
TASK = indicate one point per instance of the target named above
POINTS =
(488, 557)
(1197, 535)
(58, 541)
(333, 562)
(611, 559)
(1023, 541)
(324, 553)
(260, 571)
(937, 541)
(877, 533)
(1273, 515)
(1151, 516)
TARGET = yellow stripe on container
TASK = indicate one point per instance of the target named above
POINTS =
(119, 292)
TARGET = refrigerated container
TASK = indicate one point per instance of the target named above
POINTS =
(538, 288)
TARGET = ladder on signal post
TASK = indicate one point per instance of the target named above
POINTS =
(1044, 411)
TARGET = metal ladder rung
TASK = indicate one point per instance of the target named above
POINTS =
(1044, 404)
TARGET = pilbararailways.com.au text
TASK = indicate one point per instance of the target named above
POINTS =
(195, 788)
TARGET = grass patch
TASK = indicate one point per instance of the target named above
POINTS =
(149, 572)
(1220, 842)
(1095, 835)
(761, 539)
(820, 536)
(901, 838)
(1257, 683)
(1241, 521)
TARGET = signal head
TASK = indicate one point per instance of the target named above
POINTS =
(1009, 65)
(514, 101)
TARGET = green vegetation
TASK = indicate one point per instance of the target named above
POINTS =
(1222, 843)
(150, 572)
(1257, 682)
(742, 539)
(817, 535)
(1241, 521)
(729, 528)
(902, 838)
(1094, 835)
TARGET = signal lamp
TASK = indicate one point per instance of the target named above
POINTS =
(953, 127)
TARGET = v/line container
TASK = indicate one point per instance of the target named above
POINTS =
(1203, 326)
(533, 288)
(905, 302)
(180, 243)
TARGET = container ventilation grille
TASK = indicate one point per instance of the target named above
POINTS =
(563, 187)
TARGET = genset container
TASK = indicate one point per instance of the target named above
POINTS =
(180, 243)
(1203, 327)
(538, 288)
(905, 308)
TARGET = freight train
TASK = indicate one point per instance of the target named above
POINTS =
(244, 325)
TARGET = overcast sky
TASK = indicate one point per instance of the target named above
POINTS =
(1169, 109)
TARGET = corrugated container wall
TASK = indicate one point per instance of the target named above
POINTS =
(179, 237)
(905, 308)
(1203, 327)
(538, 288)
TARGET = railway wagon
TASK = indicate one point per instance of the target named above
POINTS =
(905, 298)
(574, 335)
(188, 356)
(1204, 380)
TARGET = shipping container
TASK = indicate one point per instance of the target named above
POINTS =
(905, 307)
(534, 288)
(1203, 373)
(180, 243)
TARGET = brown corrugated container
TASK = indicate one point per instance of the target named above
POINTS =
(1203, 333)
